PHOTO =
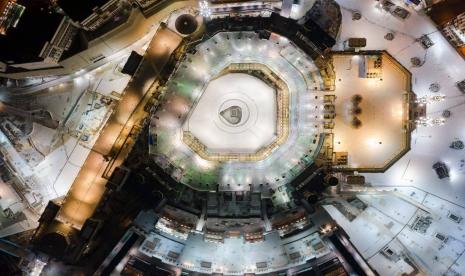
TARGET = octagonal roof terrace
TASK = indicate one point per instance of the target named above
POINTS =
(243, 114)
(294, 131)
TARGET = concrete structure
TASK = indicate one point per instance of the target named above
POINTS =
(211, 58)
(455, 31)
(10, 14)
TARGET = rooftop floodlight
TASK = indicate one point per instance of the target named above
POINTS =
(428, 99)
(430, 122)
(205, 10)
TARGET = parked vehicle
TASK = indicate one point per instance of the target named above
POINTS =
(400, 12)
(441, 170)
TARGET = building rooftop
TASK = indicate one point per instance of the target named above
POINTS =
(372, 112)
(80, 10)
(444, 11)
(24, 42)
(10, 13)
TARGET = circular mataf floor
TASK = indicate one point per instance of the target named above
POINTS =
(235, 114)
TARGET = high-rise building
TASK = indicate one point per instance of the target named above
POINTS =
(10, 13)
(455, 30)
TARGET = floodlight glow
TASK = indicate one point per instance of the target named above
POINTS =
(428, 121)
(205, 9)
(202, 163)
(459, 34)
(430, 99)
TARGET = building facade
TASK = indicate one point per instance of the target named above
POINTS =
(454, 31)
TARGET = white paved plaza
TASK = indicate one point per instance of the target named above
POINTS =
(387, 220)
(442, 65)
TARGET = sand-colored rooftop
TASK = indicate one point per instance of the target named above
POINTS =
(382, 135)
